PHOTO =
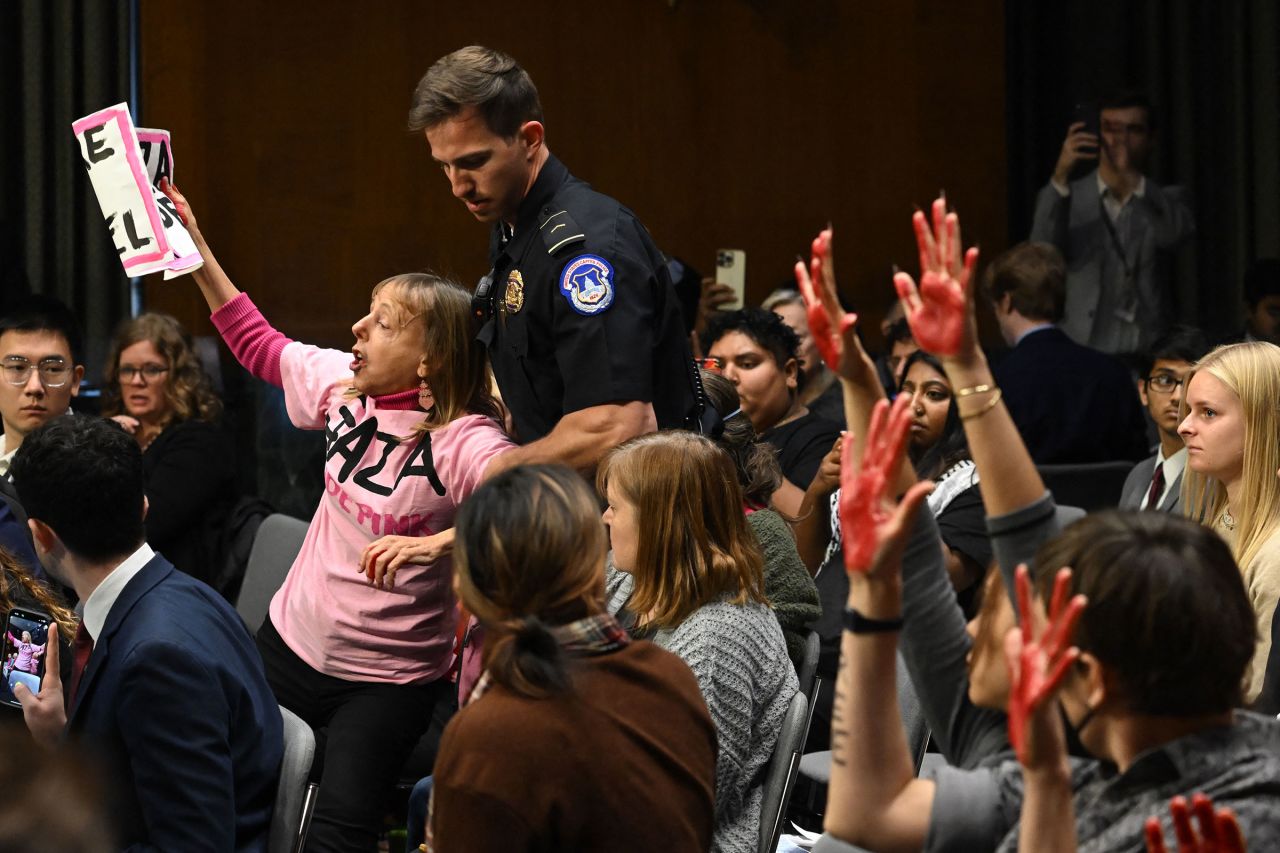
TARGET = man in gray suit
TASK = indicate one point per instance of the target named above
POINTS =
(1115, 229)
(1155, 483)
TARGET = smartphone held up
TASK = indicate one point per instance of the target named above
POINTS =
(22, 652)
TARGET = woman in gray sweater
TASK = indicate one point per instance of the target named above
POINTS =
(688, 575)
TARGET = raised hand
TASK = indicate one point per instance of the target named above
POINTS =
(832, 328)
(940, 310)
(1038, 658)
(1079, 145)
(871, 528)
(1219, 831)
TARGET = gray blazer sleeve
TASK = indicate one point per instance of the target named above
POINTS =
(1168, 214)
(1051, 217)
(934, 645)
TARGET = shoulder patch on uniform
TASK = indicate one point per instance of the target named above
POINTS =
(559, 230)
(587, 282)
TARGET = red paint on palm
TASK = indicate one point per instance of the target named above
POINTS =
(1043, 660)
(938, 310)
(828, 323)
(1219, 830)
(863, 505)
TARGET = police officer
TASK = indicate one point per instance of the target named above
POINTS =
(579, 316)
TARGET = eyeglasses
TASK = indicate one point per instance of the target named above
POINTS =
(54, 372)
(1164, 383)
(149, 373)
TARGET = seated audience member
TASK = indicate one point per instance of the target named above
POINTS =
(411, 430)
(820, 392)
(898, 344)
(41, 361)
(690, 577)
(1232, 434)
(1151, 696)
(1071, 404)
(787, 584)
(54, 802)
(756, 351)
(156, 389)
(576, 737)
(167, 690)
(1156, 482)
(1262, 301)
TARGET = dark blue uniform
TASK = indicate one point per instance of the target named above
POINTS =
(579, 310)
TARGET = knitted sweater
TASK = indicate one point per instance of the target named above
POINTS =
(739, 657)
(787, 583)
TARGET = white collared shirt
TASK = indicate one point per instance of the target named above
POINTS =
(1110, 203)
(6, 460)
(101, 600)
(1173, 468)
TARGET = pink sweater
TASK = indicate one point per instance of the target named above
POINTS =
(375, 484)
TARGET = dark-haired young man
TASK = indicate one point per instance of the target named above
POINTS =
(582, 324)
(167, 690)
(1072, 404)
(1262, 301)
(1155, 482)
(1115, 228)
(41, 365)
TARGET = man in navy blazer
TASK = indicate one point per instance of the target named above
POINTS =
(1071, 404)
(171, 699)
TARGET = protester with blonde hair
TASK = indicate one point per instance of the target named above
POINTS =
(1231, 427)
(689, 575)
(559, 670)
(410, 430)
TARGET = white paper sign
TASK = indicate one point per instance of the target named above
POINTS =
(143, 221)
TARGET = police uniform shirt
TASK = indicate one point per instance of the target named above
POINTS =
(581, 310)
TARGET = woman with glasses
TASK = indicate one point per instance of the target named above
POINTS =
(156, 390)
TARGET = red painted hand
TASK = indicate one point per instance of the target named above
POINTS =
(869, 523)
(939, 311)
(1219, 831)
(830, 326)
(1038, 660)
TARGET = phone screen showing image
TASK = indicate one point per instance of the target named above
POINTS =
(22, 652)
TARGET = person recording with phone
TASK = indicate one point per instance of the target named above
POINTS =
(1114, 226)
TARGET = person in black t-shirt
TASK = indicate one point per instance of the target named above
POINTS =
(758, 353)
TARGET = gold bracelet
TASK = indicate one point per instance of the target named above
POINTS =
(973, 389)
(991, 404)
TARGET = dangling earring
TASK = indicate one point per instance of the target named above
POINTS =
(426, 399)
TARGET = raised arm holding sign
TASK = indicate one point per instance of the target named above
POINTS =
(143, 221)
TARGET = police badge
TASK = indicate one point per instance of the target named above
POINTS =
(513, 296)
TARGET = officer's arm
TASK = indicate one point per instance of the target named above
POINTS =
(582, 438)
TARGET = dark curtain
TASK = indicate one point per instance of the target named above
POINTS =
(1212, 71)
(60, 60)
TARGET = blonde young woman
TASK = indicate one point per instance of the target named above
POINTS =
(410, 431)
(1231, 428)
(689, 575)
(157, 391)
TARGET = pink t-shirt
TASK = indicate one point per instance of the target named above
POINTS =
(376, 484)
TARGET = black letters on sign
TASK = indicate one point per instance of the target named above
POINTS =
(98, 150)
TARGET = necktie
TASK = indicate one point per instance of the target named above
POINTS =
(83, 647)
(1157, 488)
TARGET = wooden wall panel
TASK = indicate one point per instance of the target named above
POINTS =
(720, 122)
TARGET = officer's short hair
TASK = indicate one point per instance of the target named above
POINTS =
(1035, 277)
(481, 77)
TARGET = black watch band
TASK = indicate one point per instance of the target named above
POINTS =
(856, 623)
